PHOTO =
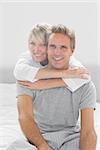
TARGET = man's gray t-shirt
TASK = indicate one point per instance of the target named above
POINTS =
(56, 110)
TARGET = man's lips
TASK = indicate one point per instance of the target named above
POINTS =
(57, 58)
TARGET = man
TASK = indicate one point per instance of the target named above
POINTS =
(48, 118)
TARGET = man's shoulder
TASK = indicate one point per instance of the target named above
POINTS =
(21, 90)
(87, 96)
(89, 85)
(88, 90)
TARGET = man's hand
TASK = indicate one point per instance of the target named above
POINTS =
(44, 147)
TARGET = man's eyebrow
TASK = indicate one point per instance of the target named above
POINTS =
(51, 44)
(65, 46)
(58, 45)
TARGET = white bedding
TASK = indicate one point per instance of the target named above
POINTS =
(9, 127)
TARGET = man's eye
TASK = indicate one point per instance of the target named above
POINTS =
(52, 47)
(64, 47)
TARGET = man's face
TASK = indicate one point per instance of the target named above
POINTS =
(38, 50)
(59, 51)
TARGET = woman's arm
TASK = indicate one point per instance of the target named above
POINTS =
(46, 73)
(28, 70)
(27, 123)
(43, 84)
(87, 134)
(76, 70)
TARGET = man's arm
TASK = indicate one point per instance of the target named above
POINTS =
(87, 134)
(27, 123)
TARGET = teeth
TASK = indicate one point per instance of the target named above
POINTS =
(37, 55)
(58, 58)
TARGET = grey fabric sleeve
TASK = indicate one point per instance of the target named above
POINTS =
(88, 96)
(21, 90)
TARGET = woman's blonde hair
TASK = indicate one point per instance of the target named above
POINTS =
(40, 32)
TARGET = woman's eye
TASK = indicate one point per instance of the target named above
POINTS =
(32, 43)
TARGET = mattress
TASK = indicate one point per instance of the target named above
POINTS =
(9, 126)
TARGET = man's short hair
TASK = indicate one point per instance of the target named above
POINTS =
(66, 31)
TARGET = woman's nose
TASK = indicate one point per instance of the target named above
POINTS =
(37, 48)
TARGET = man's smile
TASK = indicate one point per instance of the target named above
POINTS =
(58, 58)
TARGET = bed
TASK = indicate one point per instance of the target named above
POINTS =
(9, 126)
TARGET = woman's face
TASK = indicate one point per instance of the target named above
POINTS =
(38, 50)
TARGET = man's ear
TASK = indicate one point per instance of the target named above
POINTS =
(72, 51)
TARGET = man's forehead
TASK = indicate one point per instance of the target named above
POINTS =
(58, 37)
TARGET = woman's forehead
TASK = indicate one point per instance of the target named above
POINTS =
(37, 39)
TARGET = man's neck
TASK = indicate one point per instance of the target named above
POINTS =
(63, 68)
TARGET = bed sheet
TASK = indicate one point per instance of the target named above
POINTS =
(9, 126)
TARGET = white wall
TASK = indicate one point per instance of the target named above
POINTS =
(17, 19)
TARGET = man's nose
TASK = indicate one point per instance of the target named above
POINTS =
(57, 51)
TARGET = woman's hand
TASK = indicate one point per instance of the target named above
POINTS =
(82, 73)
(26, 84)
